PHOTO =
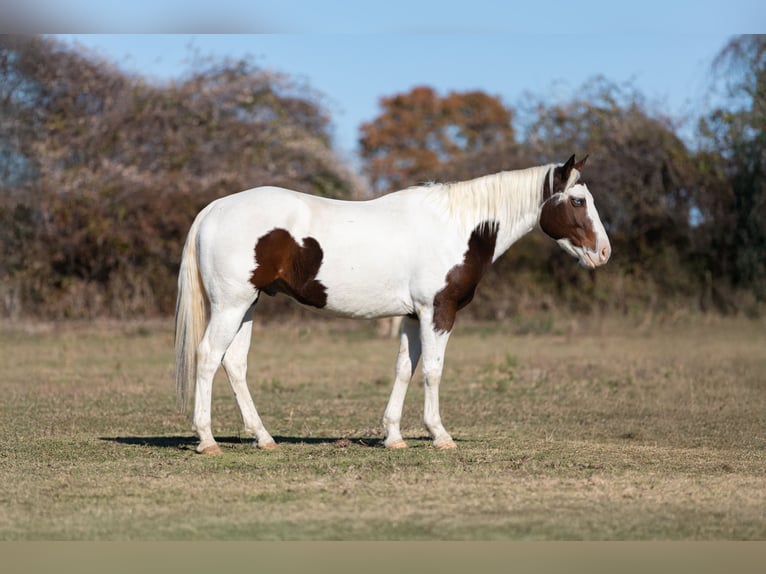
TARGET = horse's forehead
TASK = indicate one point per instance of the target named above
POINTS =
(579, 189)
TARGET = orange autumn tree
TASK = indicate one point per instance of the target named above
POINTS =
(418, 132)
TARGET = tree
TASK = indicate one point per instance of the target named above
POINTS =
(644, 181)
(419, 132)
(101, 173)
(733, 154)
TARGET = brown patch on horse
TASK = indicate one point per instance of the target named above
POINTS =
(284, 266)
(463, 278)
(563, 220)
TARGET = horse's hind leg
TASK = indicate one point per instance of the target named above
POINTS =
(221, 330)
(235, 364)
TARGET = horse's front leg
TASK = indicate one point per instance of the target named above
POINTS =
(434, 343)
(406, 361)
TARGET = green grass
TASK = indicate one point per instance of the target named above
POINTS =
(606, 433)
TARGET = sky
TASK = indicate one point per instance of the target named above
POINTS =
(355, 52)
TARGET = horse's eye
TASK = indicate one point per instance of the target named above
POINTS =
(578, 201)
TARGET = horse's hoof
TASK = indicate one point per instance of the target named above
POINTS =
(397, 444)
(445, 444)
(271, 445)
(210, 449)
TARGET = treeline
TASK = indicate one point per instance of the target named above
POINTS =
(101, 174)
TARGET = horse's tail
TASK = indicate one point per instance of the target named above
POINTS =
(191, 316)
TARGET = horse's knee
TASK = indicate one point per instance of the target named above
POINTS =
(432, 374)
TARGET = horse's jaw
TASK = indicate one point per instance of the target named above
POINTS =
(590, 259)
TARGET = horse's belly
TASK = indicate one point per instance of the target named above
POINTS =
(361, 292)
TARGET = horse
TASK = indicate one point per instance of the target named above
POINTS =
(418, 253)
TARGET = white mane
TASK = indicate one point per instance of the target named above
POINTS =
(506, 197)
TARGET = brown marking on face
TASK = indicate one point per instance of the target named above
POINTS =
(284, 266)
(463, 278)
(563, 220)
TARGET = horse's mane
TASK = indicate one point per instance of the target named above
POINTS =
(505, 197)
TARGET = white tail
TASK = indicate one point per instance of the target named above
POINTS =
(191, 316)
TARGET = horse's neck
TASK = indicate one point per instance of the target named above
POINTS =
(510, 233)
(511, 199)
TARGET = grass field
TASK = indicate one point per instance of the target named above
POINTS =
(608, 432)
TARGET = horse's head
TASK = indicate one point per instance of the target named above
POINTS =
(569, 216)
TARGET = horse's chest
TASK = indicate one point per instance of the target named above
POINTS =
(462, 279)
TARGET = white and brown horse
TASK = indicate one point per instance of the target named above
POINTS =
(417, 253)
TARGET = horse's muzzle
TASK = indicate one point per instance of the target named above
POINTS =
(596, 258)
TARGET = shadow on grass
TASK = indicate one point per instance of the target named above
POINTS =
(190, 442)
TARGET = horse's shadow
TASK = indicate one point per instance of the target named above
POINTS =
(190, 442)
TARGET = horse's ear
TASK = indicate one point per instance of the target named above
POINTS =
(567, 167)
(561, 175)
(579, 164)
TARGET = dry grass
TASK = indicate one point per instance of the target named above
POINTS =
(610, 433)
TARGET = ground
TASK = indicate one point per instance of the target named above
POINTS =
(580, 432)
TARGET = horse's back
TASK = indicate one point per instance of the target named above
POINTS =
(259, 206)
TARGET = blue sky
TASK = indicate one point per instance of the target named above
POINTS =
(356, 52)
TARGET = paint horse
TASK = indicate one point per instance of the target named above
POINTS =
(417, 253)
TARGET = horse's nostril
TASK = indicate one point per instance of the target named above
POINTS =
(605, 252)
